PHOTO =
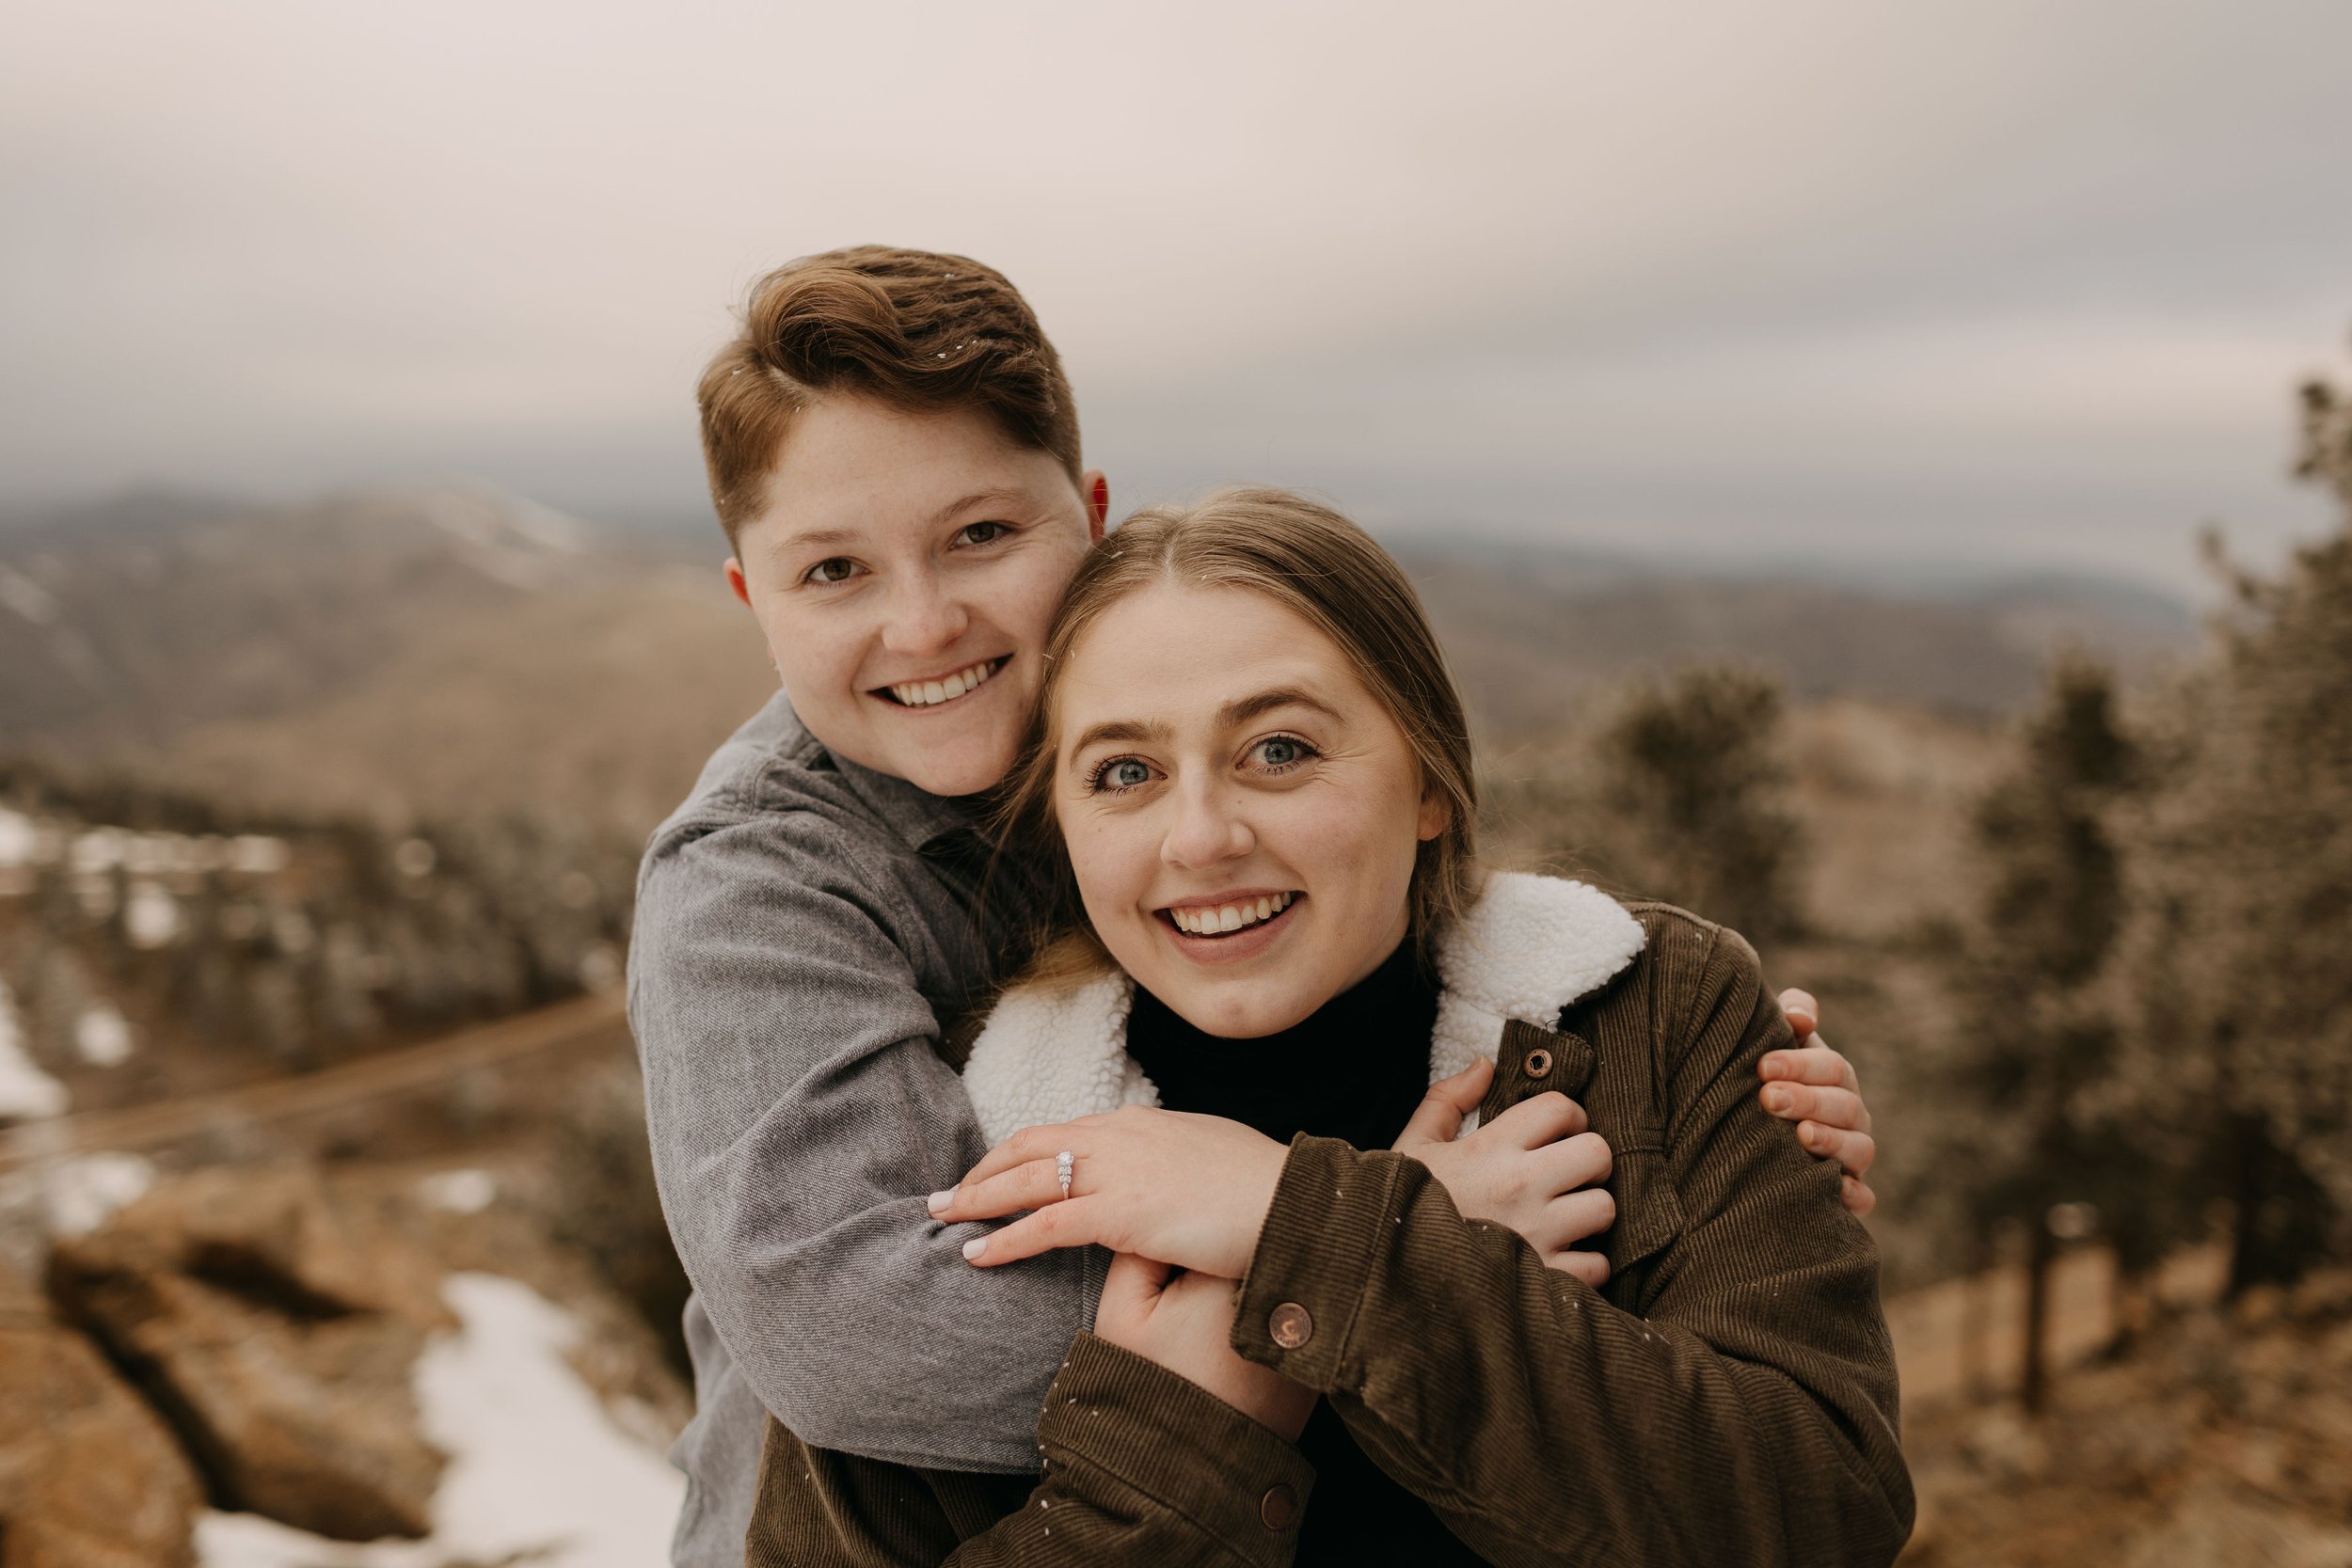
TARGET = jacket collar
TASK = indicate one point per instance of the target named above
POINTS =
(1526, 949)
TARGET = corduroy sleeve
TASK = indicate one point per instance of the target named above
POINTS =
(1746, 1413)
(1141, 1467)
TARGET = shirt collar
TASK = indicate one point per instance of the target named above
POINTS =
(916, 816)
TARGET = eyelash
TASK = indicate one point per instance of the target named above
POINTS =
(1100, 772)
(1306, 753)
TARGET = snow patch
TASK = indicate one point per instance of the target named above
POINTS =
(82, 1195)
(150, 916)
(19, 843)
(538, 1472)
(102, 1037)
(26, 1093)
(459, 1192)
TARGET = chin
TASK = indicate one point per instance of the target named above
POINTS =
(1241, 1018)
(956, 775)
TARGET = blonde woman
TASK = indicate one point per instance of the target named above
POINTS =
(1253, 772)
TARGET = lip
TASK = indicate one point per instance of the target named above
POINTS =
(1238, 946)
(883, 694)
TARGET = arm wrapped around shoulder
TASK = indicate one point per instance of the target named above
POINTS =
(1735, 1403)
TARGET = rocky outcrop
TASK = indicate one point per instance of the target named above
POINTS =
(277, 1338)
(90, 1477)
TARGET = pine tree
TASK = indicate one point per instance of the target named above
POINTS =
(2236, 964)
(2034, 1040)
(1694, 776)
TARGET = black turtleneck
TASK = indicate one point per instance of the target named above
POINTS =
(1355, 1069)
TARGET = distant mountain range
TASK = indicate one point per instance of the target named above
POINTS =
(452, 646)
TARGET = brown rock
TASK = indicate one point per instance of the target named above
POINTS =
(90, 1477)
(279, 1338)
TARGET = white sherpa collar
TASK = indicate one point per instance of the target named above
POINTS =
(1529, 947)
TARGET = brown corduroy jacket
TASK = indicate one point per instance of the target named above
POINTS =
(1729, 1398)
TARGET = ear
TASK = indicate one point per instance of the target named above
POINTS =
(1097, 491)
(737, 584)
(1437, 815)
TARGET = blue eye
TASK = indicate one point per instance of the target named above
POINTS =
(1280, 753)
(1120, 774)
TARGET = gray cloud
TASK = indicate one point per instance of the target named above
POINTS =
(2024, 281)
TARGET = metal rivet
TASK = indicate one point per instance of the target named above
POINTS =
(1538, 1062)
(1290, 1326)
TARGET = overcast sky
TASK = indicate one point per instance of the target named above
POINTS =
(1886, 282)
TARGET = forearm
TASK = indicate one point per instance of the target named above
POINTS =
(1140, 1467)
(798, 1112)
(1544, 1424)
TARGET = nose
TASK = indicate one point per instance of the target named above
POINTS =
(923, 617)
(1208, 829)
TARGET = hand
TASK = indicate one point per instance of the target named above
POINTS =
(1816, 1088)
(1534, 1170)
(1178, 1188)
(1183, 1321)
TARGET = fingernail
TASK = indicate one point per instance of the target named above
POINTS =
(1776, 1098)
(1812, 1135)
(973, 1248)
(941, 1199)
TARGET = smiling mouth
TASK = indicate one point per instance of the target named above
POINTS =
(944, 690)
(1210, 922)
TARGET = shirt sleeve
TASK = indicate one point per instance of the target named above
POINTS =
(1140, 1467)
(798, 1113)
(1741, 1410)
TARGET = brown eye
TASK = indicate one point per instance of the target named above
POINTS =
(840, 568)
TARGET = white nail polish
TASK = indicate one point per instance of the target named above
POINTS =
(941, 1199)
(973, 1248)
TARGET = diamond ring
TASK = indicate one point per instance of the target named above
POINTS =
(1063, 1164)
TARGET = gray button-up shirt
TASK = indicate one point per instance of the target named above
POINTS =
(805, 927)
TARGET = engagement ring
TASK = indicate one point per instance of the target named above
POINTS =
(1062, 1164)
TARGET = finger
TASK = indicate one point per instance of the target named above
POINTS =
(1858, 1198)
(1438, 1119)
(1574, 1217)
(1853, 1151)
(1839, 1108)
(1803, 1012)
(1590, 1267)
(1057, 1225)
(1540, 1119)
(1025, 1186)
(1030, 1142)
(1583, 1161)
(1812, 1064)
(1132, 1283)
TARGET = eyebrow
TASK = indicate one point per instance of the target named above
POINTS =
(1240, 711)
(1001, 495)
(1244, 709)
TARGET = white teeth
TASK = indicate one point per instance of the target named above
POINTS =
(1201, 921)
(925, 693)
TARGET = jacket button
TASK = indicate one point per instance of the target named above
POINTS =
(1278, 1507)
(1538, 1062)
(1290, 1326)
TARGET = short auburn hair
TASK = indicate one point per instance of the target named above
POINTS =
(915, 329)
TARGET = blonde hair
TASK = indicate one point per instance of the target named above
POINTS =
(1331, 574)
